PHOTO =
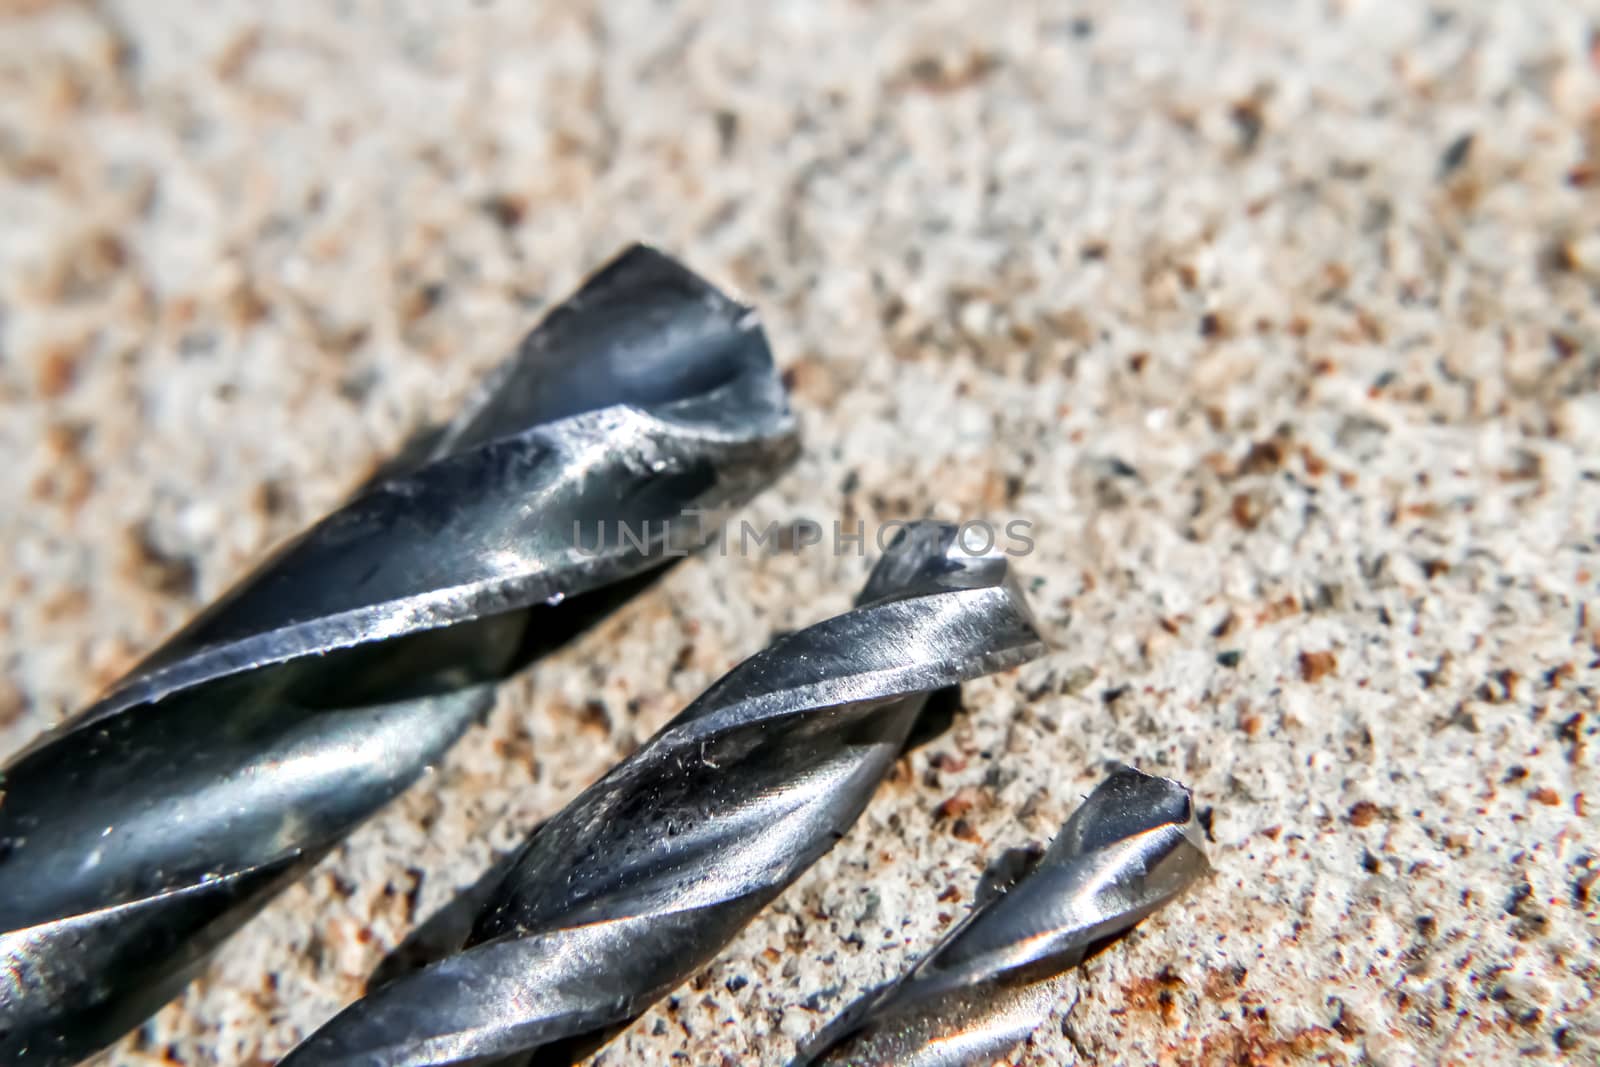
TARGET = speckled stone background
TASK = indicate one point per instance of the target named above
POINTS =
(1278, 320)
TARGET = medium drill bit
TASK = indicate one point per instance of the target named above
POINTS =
(138, 836)
(652, 870)
(1131, 847)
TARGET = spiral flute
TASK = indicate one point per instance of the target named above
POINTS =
(1131, 847)
(139, 835)
(641, 880)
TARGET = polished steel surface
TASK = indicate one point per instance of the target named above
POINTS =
(1131, 847)
(647, 874)
(140, 834)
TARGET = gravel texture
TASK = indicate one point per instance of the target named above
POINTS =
(1279, 321)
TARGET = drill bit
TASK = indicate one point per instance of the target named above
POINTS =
(644, 877)
(136, 837)
(1131, 847)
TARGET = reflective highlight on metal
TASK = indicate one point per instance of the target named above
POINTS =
(1131, 847)
(138, 836)
(648, 873)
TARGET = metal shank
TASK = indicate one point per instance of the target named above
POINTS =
(648, 873)
(136, 837)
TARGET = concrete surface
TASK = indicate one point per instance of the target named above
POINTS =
(1278, 320)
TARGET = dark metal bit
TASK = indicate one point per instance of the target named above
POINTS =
(646, 876)
(139, 835)
(1131, 847)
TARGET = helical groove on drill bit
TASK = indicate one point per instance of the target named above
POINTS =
(136, 837)
(640, 881)
(1133, 846)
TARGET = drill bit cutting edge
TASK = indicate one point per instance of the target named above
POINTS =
(644, 877)
(137, 836)
(1131, 847)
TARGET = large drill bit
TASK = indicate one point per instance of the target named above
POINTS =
(1131, 847)
(137, 837)
(651, 871)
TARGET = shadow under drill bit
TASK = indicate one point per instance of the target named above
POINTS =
(444, 932)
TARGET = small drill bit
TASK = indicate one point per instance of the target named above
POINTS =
(139, 835)
(1131, 847)
(641, 880)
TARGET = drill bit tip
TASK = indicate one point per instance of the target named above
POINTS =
(1132, 846)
